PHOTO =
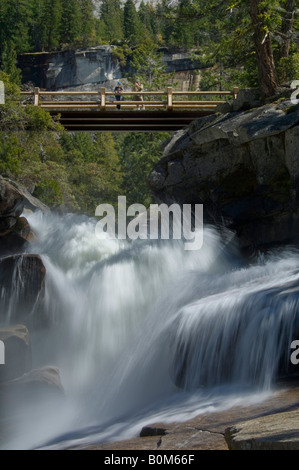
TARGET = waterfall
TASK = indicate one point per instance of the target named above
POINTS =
(143, 331)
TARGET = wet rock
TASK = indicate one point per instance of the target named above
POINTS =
(247, 98)
(15, 239)
(30, 202)
(243, 168)
(15, 231)
(147, 431)
(38, 382)
(274, 432)
(11, 200)
(21, 289)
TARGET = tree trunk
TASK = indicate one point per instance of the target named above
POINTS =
(287, 28)
(264, 52)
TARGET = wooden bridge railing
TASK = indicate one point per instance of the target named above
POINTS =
(102, 100)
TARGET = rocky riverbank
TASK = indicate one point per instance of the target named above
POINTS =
(242, 166)
(23, 389)
(271, 424)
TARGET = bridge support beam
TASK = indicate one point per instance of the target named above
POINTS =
(169, 98)
(103, 98)
(36, 96)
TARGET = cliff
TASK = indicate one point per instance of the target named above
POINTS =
(90, 68)
(243, 167)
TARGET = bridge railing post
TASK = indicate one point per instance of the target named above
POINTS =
(103, 98)
(235, 92)
(36, 96)
(169, 106)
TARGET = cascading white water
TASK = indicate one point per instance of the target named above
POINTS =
(144, 331)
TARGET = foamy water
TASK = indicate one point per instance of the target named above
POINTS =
(146, 331)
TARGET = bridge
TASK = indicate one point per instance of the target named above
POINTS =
(167, 110)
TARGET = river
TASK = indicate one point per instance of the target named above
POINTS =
(145, 331)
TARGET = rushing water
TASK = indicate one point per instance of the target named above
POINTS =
(145, 332)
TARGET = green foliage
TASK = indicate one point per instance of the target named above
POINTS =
(37, 25)
(138, 154)
(82, 170)
(288, 68)
(95, 173)
(111, 21)
(122, 53)
(8, 63)
(49, 192)
(9, 155)
(38, 119)
(132, 24)
(49, 25)
(147, 63)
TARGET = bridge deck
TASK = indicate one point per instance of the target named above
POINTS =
(167, 110)
(122, 120)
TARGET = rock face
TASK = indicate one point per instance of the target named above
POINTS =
(15, 231)
(21, 275)
(243, 167)
(95, 65)
(25, 394)
(21, 289)
(273, 432)
(91, 68)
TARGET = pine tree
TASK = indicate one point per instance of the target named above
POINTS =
(263, 48)
(183, 34)
(15, 21)
(88, 22)
(145, 18)
(111, 16)
(71, 24)
(50, 23)
(287, 28)
(36, 31)
(132, 24)
(148, 64)
(9, 61)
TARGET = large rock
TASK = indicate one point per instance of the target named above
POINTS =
(207, 430)
(11, 200)
(15, 238)
(93, 67)
(243, 167)
(18, 358)
(30, 202)
(273, 432)
(71, 68)
(21, 289)
(15, 231)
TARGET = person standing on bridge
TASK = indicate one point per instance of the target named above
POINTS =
(118, 91)
(138, 87)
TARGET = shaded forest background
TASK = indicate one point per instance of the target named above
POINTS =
(79, 171)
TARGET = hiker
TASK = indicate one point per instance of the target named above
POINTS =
(118, 90)
(138, 87)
